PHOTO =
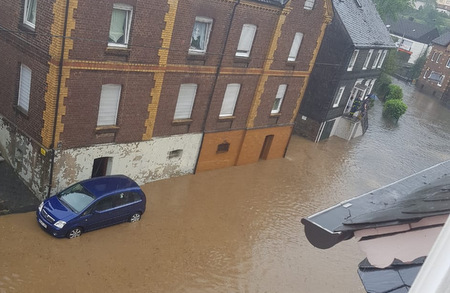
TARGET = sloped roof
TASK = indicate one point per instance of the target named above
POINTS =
(273, 2)
(443, 40)
(412, 30)
(363, 23)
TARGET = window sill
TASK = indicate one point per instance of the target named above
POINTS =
(21, 111)
(275, 114)
(196, 56)
(226, 118)
(117, 51)
(106, 129)
(27, 28)
(182, 122)
(292, 63)
(238, 59)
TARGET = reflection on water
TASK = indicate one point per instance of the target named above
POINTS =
(236, 229)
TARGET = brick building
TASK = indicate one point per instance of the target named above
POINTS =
(353, 51)
(150, 89)
(435, 77)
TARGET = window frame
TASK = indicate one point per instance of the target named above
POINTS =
(27, 5)
(377, 59)
(367, 61)
(127, 31)
(338, 96)
(438, 57)
(244, 47)
(383, 57)
(434, 55)
(114, 99)
(295, 47)
(441, 80)
(209, 22)
(187, 91)
(281, 92)
(24, 93)
(230, 98)
(352, 62)
(309, 4)
(426, 73)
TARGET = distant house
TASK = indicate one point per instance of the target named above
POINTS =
(353, 51)
(411, 37)
(435, 77)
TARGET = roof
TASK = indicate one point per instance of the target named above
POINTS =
(424, 194)
(443, 40)
(273, 2)
(412, 30)
(363, 23)
(101, 186)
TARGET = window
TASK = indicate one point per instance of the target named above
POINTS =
(175, 154)
(119, 30)
(353, 60)
(109, 104)
(29, 15)
(246, 40)
(438, 57)
(23, 100)
(434, 56)
(200, 35)
(426, 73)
(366, 63)
(295, 46)
(441, 80)
(279, 99)
(448, 63)
(185, 102)
(338, 96)
(377, 58)
(383, 56)
(369, 89)
(223, 147)
(309, 4)
(229, 99)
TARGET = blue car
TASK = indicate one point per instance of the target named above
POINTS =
(91, 204)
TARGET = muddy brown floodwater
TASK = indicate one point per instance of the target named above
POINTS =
(236, 229)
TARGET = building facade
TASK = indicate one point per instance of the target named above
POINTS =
(435, 77)
(151, 89)
(353, 51)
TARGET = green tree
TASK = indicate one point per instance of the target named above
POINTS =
(395, 92)
(416, 69)
(381, 86)
(394, 109)
(392, 8)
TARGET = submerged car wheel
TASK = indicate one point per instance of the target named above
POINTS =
(75, 232)
(135, 217)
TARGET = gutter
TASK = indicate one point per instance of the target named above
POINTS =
(58, 93)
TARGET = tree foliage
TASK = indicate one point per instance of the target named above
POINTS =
(394, 109)
(394, 92)
(381, 86)
(392, 8)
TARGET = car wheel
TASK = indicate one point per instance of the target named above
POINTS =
(135, 217)
(74, 233)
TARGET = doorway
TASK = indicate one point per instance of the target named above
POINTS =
(266, 147)
(101, 167)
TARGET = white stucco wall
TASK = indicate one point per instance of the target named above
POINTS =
(142, 161)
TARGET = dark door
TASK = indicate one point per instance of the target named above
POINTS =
(266, 147)
(327, 130)
(100, 167)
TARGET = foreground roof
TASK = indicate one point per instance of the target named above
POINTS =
(443, 40)
(273, 2)
(363, 23)
(422, 195)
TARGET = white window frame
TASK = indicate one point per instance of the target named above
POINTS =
(279, 99)
(448, 63)
(208, 23)
(185, 101)
(383, 57)
(434, 55)
(441, 80)
(28, 7)
(128, 17)
(369, 89)
(352, 62)
(369, 56)
(426, 73)
(338, 97)
(109, 105)
(229, 100)
(309, 4)
(377, 59)
(23, 100)
(295, 48)
(246, 40)
(438, 57)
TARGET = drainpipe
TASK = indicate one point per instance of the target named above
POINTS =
(219, 66)
(58, 92)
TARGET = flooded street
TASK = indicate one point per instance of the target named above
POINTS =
(236, 229)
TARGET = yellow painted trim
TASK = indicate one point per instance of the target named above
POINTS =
(266, 68)
(50, 96)
(158, 78)
(328, 16)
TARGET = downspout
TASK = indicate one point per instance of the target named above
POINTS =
(58, 92)
(219, 66)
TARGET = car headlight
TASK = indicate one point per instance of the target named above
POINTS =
(60, 224)
(40, 206)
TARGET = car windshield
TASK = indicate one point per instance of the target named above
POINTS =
(76, 198)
